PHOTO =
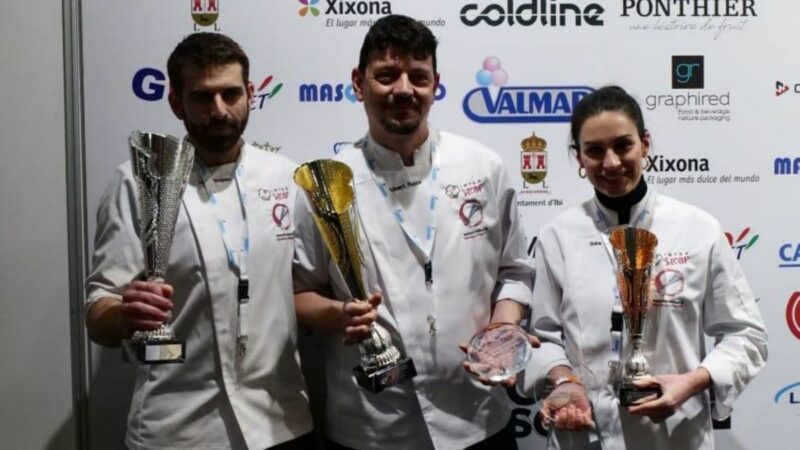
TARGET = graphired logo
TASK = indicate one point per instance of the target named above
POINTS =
(533, 159)
(793, 314)
(550, 13)
(308, 8)
(518, 104)
(205, 12)
(281, 216)
(688, 72)
(742, 242)
(471, 213)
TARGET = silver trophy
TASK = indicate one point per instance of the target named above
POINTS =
(328, 186)
(634, 249)
(161, 165)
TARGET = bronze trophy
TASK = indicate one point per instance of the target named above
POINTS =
(634, 249)
(328, 187)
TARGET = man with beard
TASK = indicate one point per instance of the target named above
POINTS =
(446, 257)
(228, 289)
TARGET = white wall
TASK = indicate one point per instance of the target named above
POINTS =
(36, 379)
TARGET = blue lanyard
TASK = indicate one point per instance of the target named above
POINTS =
(236, 262)
(423, 247)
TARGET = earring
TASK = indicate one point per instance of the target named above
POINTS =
(582, 172)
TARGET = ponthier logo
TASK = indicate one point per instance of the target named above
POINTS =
(546, 12)
(523, 104)
(689, 8)
(661, 164)
(336, 7)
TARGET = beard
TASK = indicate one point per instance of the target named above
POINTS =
(410, 117)
(217, 136)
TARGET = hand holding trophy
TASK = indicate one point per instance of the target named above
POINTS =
(161, 166)
(634, 249)
(328, 187)
(499, 352)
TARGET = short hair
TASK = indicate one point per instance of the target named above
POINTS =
(401, 34)
(205, 50)
(607, 98)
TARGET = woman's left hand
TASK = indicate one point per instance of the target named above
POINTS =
(676, 389)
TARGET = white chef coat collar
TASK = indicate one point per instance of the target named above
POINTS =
(389, 161)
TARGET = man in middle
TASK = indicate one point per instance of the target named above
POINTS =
(444, 254)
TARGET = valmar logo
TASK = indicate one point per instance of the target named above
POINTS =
(550, 13)
(493, 102)
(793, 314)
(742, 242)
(150, 84)
(787, 166)
(788, 394)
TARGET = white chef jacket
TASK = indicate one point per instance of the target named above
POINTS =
(698, 287)
(214, 400)
(475, 262)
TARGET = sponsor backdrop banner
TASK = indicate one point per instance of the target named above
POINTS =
(716, 78)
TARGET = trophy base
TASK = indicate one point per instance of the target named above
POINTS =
(154, 352)
(385, 377)
(630, 395)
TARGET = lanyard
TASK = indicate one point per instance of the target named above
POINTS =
(236, 261)
(422, 247)
(643, 220)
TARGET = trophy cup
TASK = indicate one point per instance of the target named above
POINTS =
(328, 186)
(634, 249)
(499, 352)
(161, 165)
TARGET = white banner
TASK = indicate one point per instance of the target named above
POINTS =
(718, 81)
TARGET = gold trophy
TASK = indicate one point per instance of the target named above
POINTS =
(328, 186)
(634, 249)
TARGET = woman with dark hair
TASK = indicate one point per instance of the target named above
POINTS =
(697, 289)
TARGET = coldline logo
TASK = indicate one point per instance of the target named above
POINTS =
(687, 72)
(518, 104)
(546, 12)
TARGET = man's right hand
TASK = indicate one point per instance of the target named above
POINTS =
(358, 318)
(145, 306)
